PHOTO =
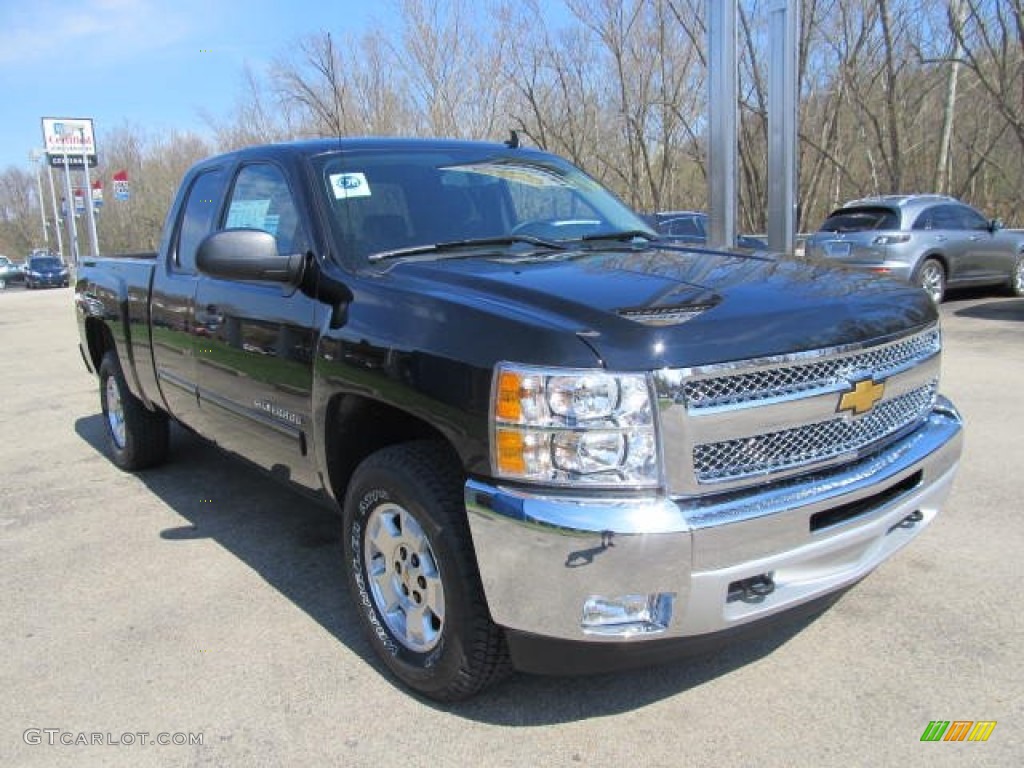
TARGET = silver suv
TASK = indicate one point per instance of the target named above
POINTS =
(931, 240)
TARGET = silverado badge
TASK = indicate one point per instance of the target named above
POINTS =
(862, 398)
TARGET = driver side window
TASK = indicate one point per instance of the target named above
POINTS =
(261, 199)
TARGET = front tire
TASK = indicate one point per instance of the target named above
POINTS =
(137, 437)
(1016, 284)
(931, 277)
(413, 574)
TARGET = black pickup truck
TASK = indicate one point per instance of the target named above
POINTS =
(557, 442)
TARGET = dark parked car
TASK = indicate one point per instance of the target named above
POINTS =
(45, 271)
(930, 240)
(692, 227)
(10, 272)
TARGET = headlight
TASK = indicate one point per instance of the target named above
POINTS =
(573, 427)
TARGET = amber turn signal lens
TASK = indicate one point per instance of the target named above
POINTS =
(509, 407)
(510, 452)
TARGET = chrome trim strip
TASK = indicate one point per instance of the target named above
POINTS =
(291, 431)
(176, 380)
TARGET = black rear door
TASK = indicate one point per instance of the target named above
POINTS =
(172, 306)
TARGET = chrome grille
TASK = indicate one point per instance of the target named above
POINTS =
(777, 451)
(729, 426)
(772, 382)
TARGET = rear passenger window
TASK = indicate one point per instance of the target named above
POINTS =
(925, 220)
(200, 214)
(971, 219)
(946, 217)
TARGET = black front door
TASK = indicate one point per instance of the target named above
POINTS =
(254, 348)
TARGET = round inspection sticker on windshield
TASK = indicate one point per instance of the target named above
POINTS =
(346, 185)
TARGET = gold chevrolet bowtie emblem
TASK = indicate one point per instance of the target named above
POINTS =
(862, 397)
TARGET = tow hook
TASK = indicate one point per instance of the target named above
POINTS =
(909, 521)
(752, 590)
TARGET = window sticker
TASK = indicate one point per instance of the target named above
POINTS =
(271, 222)
(251, 214)
(346, 185)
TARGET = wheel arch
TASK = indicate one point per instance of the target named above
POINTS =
(99, 339)
(357, 426)
(938, 256)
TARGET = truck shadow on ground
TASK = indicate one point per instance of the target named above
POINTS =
(294, 544)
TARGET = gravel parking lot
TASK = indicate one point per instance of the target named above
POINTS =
(204, 601)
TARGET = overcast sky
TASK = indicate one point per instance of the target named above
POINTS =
(153, 65)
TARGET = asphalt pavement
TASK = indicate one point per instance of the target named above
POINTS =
(204, 605)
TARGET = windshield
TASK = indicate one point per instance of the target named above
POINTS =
(45, 262)
(398, 202)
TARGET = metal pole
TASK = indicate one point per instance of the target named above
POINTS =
(90, 214)
(70, 202)
(723, 99)
(56, 213)
(783, 32)
(34, 156)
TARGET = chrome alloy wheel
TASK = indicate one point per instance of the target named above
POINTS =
(1017, 281)
(404, 578)
(115, 413)
(933, 279)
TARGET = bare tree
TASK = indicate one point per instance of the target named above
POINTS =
(452, 65)
(991, 40)
(315, 85)
(155, 166)
(20, 223)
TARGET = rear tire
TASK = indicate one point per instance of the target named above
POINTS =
(413, 573)
(931, 277)
(137, 437)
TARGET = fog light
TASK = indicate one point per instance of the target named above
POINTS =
(627, 615)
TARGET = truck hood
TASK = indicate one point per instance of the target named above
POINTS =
(642, 309)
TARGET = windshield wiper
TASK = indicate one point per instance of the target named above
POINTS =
(478, 242)
(626, 234)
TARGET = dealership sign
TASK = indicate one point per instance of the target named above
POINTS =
(122, 190)
(68, 136)
(75, 162)
(68, 140)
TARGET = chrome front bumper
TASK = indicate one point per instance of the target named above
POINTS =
(542, 557)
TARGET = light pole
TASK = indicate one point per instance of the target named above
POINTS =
(35, 155)
(56, 213)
